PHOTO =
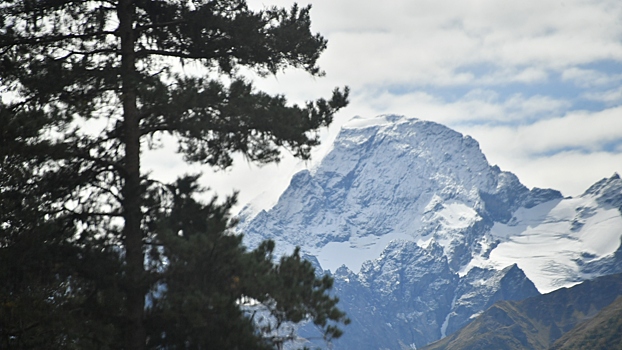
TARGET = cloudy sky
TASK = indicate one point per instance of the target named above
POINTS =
(537, 83)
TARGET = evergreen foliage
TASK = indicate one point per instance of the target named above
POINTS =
(94, 253)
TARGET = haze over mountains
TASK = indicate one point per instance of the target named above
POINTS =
(422, 234)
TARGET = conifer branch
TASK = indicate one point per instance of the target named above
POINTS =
(52, 39)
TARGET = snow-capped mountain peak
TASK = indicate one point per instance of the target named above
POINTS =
(390, 178)
(418, 226)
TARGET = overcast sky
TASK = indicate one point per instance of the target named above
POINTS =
(537, 83)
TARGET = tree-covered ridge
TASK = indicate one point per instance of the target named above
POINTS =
(602, 332)
(540, 321)
(86, 236)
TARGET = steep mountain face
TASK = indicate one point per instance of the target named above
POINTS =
(422, 234)
(409, 293)
(536, 323)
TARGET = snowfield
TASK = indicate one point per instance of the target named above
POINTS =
(551, 241)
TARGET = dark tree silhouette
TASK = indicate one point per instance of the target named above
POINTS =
(94, 253)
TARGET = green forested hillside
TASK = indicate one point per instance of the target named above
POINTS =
(603, 332)
(537, 322)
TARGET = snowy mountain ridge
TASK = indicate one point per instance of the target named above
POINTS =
(552, 241)
(426, 175)
(426, 228)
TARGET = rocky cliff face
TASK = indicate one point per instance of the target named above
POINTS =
(422, 234)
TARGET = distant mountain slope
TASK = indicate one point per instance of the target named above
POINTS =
(535, 323)
(603, 332)
(422, 234)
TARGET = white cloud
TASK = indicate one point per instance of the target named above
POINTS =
(577, 130)
(476, 43)
(406, 56)
(569, 172)
(589, 77)
(478, 106)
(426, 41)
(248, 179)
(566, 153)
(611, 97)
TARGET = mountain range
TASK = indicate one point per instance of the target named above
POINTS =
(422, 234)
(585, 315)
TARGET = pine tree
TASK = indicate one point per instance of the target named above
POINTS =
(86, 236)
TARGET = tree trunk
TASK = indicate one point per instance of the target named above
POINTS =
(134, 274)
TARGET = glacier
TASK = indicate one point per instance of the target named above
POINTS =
(422, 234)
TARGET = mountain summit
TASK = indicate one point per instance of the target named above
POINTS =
(422, 233)
(394, 178)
